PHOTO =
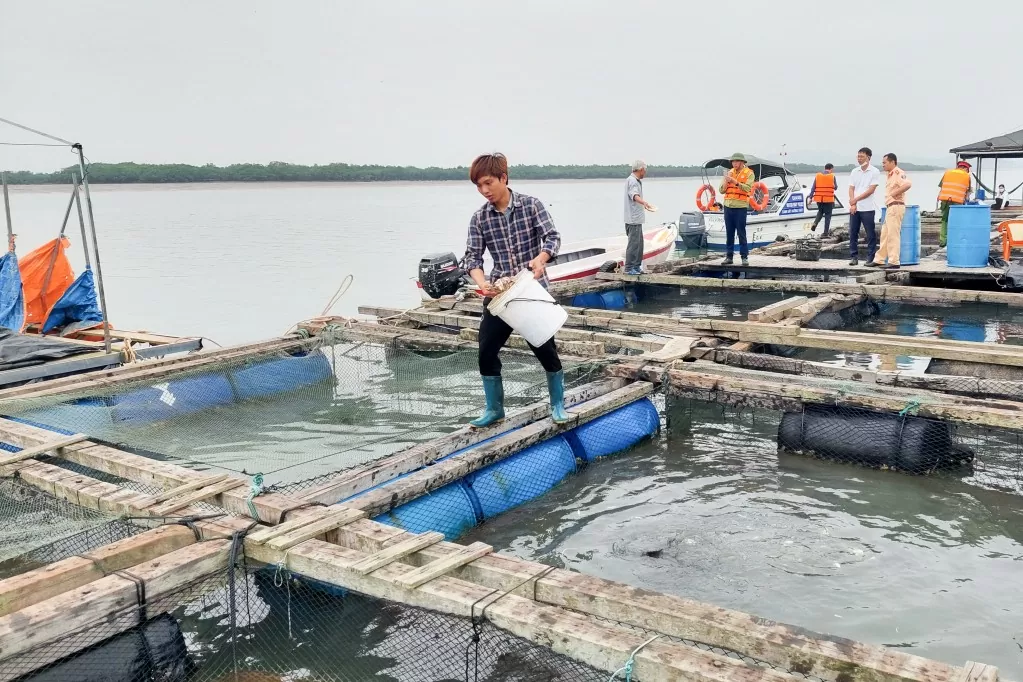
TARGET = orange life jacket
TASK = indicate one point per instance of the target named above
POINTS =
(955, 183)
(824, 189)
(743, 176)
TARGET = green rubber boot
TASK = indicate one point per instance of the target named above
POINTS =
(493, 389)
(556, 387)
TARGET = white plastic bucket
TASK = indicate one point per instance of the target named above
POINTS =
(529, 310)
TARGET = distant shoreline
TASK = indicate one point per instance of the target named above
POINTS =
(136, 173)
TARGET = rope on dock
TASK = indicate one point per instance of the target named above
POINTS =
(627, 668)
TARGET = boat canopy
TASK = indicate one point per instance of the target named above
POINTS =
(762, 168)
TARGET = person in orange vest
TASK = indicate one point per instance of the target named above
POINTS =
(737, 185)
(955, 186)
(823, 193)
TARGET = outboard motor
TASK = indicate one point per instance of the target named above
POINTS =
(440, 274)
(692, 230)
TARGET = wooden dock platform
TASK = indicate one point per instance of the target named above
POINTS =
(778, 266)
(589, 619)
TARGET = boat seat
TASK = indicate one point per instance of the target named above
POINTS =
(563, 258)
(1012, 236)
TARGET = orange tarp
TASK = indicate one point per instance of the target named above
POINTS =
(33, 269)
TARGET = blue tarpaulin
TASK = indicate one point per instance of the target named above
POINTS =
(12, 300)
(77, 308)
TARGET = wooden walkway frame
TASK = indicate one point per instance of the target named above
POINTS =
(525, 598)
(881, 292)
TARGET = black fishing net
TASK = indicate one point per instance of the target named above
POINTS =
(33, 518)
(259, 625)
(899, 442)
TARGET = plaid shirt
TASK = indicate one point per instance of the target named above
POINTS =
(514, 241)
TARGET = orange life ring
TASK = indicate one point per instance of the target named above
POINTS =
(765, 195)
(699, 197)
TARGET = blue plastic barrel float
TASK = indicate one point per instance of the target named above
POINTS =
(172, 399)
(615, 431)
(283, 375)
(909, 247)
(969, 235)
(615, 299)
(524, 476)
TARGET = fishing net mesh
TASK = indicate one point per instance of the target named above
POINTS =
(335, 404)
(33, 518)
(262, 624)
(986, 457)
(257, 623)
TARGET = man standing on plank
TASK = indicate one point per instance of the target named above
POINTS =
(737, 185)
(863, 182)
(954, 187)
(635, 206)
(519, 233)
(896, 186)
(823, 192)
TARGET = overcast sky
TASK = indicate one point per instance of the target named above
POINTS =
(435, 82)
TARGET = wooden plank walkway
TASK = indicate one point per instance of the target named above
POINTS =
(573, 614)
(780, 265)
(880, 292)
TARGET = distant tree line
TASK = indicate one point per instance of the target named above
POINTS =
(279, 171)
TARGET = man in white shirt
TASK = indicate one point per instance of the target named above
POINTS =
(863, 203)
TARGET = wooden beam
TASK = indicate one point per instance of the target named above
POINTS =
(188, 487)
(362, 478)
(52, 446)
(790, 393)
(395, 493)
(439, 567)
(567, 333)
(154, 369)
(578, 348)
(789, 647)
(204, 493)
(34, 586)
(889, 292)
(271, 507)
(339, 516)
(775, 311)
(977, 672)
(396, 551)
(76, 610)
(598, 644)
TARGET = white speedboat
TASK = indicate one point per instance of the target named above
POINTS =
(440, 274)
(788, 213)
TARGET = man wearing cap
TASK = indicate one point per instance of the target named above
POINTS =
(736, 186)
(954, 188)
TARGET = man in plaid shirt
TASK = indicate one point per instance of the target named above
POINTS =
(519, 233)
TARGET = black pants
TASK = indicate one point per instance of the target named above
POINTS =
(494, 333)
(866, 220)
(998, 204)
(735, 225)
(824, 210)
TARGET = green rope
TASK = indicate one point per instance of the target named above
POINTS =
(911, 407)
(627, 668)
(255, 488)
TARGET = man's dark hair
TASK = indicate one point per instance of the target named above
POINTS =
(829, 166)
(495, 165)
(866, 150)
(891, 157)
